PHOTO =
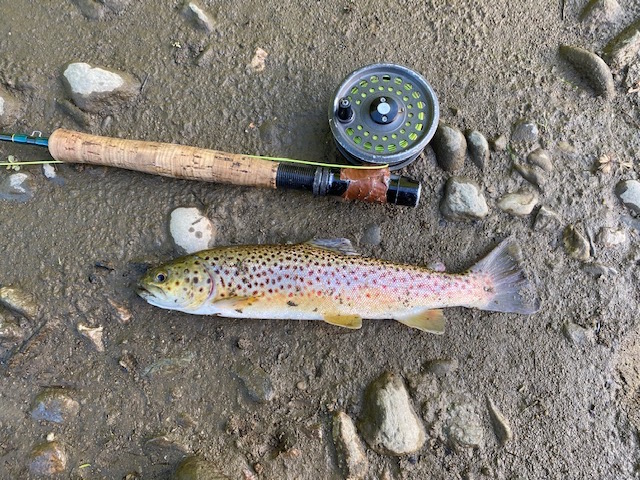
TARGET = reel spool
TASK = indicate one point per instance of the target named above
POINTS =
(383, 114)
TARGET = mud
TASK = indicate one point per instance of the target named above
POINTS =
(165, 385)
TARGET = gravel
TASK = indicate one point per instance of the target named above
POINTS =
(478, 148)
(388, 421)
(191, 230)
(450, 148)
(628, 191)
(352, 458)
(99, 89)
(463, 200)
(519, 203)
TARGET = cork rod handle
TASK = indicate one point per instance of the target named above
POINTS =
(167, 159)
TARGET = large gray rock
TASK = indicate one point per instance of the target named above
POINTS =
(351, 456)
(525, 131)
(389, 423)
(463, 200)
(10, 109)
(597, 12)
(99, 89)
(450, 148)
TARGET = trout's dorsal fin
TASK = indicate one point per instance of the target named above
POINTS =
(338, 245)
(431, 321)
(347, 321)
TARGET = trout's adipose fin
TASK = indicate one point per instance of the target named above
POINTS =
(431, 321)
(512, 290)
(348, 321)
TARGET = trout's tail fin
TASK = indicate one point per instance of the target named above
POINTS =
(513, 292)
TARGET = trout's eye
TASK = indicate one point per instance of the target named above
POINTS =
(161, 277)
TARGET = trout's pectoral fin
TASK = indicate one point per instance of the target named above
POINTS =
(431, 321)
(347, 321)
(236, 303)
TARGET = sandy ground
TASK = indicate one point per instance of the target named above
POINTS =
(164, 386)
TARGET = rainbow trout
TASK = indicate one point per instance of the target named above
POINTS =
(327, 280)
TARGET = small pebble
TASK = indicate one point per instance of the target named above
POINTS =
(501, 426)
(258, 61)
(17, 187)
(546, 219)
(441, 367)
(566, 147)
(478, 148)
(499, 144)
(599, 270)
(576, 244)
(628, 191)
(19, 301)
(530, 174)
(206, 56)
(598, 12)
(48, 459)
(450, 148)
(611, 237)
(525, 131)
(256, 381)
(624, 47)
(94, 334)
(10, 330)
(54, 405)
(519, 203)
(191, 230)
(197, 468)
(541, 158)
(97, 89)
(372, 235)
(463, 200)
(592, 68)
(122, 312)
(91, 9)
(576, 334)
(49, 171)
(196, 14)
(632, 79)
(388, 421)
(464, 426)
(10, 109)
(352, 458)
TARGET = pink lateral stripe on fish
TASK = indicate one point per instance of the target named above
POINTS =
(327, 280)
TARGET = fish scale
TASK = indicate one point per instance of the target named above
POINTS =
(326, 280)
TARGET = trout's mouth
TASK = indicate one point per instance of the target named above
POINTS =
(147, 292)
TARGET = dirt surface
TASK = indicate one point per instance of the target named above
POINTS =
(167, 385)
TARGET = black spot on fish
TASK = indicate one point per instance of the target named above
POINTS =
(239, 310)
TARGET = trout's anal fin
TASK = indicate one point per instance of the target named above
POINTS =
(431, 321)
(338, 245)
(347, 321)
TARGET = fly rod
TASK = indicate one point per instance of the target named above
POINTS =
(370, 184)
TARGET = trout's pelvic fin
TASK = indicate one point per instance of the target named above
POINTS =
(338, 245)
(347, 321)
(236, 303)
(431, 321)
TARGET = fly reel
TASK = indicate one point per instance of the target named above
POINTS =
(383, 114)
